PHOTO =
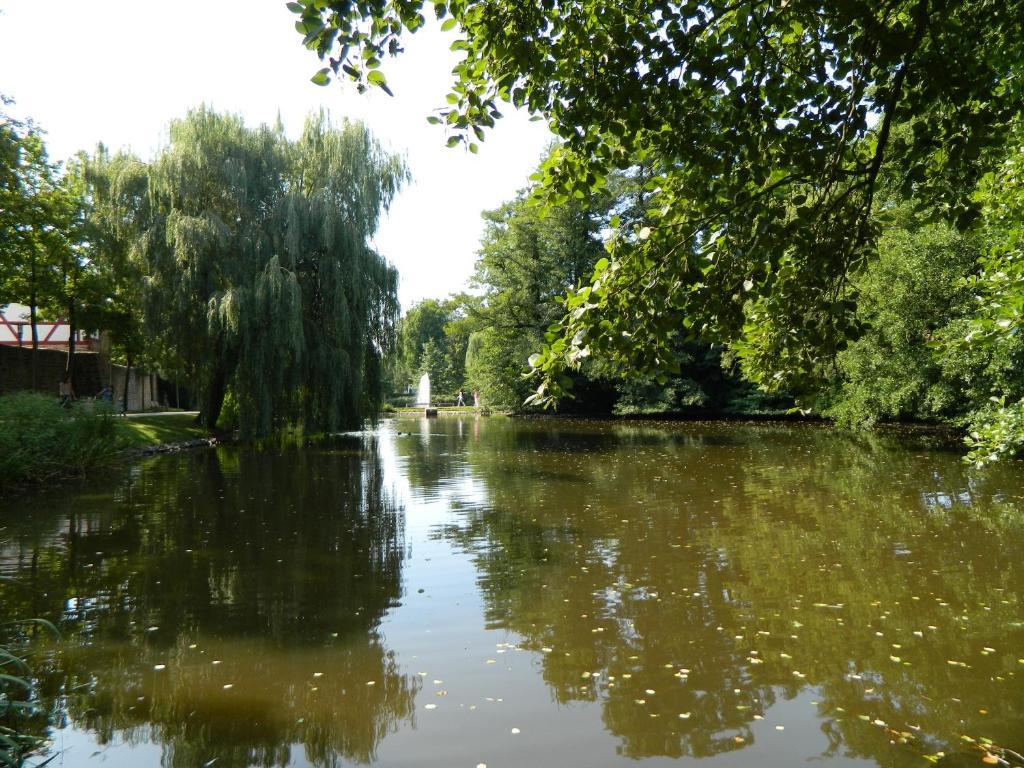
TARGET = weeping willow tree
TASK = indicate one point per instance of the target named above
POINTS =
(259, 272)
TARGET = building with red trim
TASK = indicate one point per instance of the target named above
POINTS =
(16, 331)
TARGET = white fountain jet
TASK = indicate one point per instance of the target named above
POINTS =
(423, 391)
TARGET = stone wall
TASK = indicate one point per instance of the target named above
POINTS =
(16, 371)
(92, 373)
(143, 389)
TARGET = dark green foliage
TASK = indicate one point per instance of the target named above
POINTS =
(259, 275)
(908, 300)
(432, 341)
(39, 218)
(993, 348)
(118, 210)
(41, 441)
(497, 366)
(526, 262)
(767, 126)
(708, 383)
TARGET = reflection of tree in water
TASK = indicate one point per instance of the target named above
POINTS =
(890, 587)
(277, 565)
(762, 561)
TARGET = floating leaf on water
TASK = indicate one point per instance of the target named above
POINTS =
(371, 682)
(492, 661)
(228, 686)
(159, 667)
(684, 715)
(780, 727)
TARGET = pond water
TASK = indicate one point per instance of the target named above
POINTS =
(466, 591)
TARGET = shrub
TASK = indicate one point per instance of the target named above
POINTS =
(41, 441)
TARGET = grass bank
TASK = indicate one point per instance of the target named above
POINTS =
(140, 431)
(41, 442)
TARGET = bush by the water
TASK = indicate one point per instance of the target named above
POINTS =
(40, 440)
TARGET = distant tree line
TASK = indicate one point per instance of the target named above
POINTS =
(482, 340)
(933, 337)
(796, 156)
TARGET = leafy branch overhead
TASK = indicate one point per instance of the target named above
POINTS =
(769, 126)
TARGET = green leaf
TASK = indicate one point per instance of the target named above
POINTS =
(448, 24)
(323, 77)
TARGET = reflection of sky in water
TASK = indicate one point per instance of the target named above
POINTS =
(757, 596)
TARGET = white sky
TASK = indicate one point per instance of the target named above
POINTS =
(118, 71)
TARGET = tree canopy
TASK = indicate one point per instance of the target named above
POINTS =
(767, 126)
(258, 272)
(44, 262)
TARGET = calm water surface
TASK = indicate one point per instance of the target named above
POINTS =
(531, 593)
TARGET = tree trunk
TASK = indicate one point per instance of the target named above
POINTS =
(33, 299)
(72, 329)
(213, 399)
(127, 380)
